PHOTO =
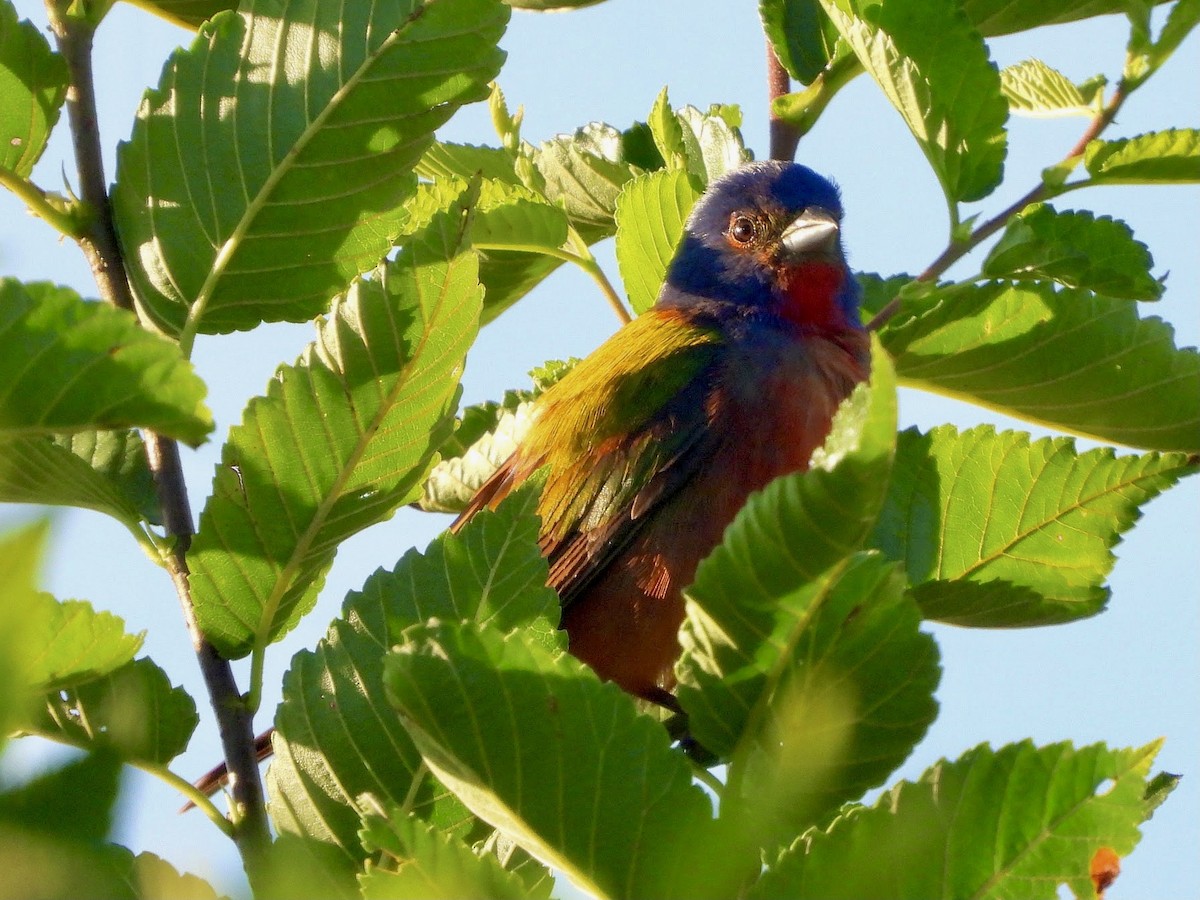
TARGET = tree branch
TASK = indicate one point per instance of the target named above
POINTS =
(785, 137)
(99, 243)
(1040, 192)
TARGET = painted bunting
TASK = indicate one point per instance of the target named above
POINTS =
(652, 443)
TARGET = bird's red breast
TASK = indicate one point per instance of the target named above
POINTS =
(810, 293)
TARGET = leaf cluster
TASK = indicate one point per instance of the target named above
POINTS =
(439, 740)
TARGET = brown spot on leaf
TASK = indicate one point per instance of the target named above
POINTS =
(1105, 868)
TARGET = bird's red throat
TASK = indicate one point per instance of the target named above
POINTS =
(810, 296)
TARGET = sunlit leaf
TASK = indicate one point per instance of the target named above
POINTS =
(1066, 358)
(996, 530)
(1035, 89)
(651, 212)
(33, 85)
(68, 642)
(302, 125)
(69, 365)
(1014, 822)
(343, 438)
(1160, 157)
(1077, 249)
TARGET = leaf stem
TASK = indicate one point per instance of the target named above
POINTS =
(74, 37)
(956, 250)
(785, 136)
(39, 204)
(195, 797)
(708, 779)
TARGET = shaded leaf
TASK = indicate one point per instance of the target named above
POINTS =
(934, 68)
(1066, 358)
(996, 530)
(1170, 157)
(101, 470)
(68, 642)
(534, 743)
(259, 223)
(423, 863)
(1077, 249)
(21, 551)
(1014, 822)
(186, 13)
(801, 35)
(134, 711)
(69, 365)
(336, 736)
(33, 85)
(1035, 89)
(72, 803)
(650, 215)
(826, 691)
(343, 438)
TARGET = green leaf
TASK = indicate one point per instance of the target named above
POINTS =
(420, 862)
(997, 17)
(651, 213)
(826, 691)
(336, 736)
(1035, 89)
(68, 365)
(1014, 822)
(1184, 16)
(996, 530)
(133, 711)
(1065, 358)
(68, 642)
(801, 35)
(343, 438)
(547, 5)
(1159, 157)
(535, 744)
(21, 552)
(33, 85)
(1076, 249)
(467, 161)
(712, 143)
(186, 13)
(259, 223)
(71, 803)
(101, 470)
(934, 68)
(584, 173)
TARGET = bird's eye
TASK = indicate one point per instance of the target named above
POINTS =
(742, 230)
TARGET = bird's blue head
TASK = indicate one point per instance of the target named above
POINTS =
(766, 239)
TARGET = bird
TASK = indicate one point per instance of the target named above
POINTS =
(650, 445)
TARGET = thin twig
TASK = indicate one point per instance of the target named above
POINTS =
(1040, 192)
(100, 246)
(785, 137)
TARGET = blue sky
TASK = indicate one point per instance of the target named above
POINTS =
(1126, 677)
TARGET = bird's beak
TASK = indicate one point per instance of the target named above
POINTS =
(813, 233)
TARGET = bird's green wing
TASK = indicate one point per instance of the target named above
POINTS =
(615, 438)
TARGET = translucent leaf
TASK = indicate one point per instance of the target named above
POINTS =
(651, 212)
(1159, 157)
(1014, 822)
(419, 862)
(186, 13)
(1066, 358)
(21, 552)
(1035, 89)
(336, 736)
(68, 642)
(997, 17)
(101, 470)
(535, 744)
(300, 136)
(68, 365)
(467, 161)
(133, 711)
(585, 173)
(996, 530)
(1184, 17)
(823, 692)
(343, 438)
(33, 85)
(801, 34)
(934, 68)
(712, 145)
(1076, 249)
